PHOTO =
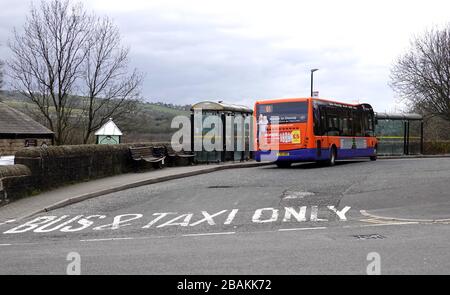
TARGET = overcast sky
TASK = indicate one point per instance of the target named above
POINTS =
(240, 51)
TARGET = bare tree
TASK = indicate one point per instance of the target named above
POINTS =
(110, 90)
(60, 57)
(2, 64)
(422, 75)
(47, 60)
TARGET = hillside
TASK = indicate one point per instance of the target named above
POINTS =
(150, 123)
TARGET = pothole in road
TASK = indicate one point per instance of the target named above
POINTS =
(292, 197)
(369, 237)
(220, 186)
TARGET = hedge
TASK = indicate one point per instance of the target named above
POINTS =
(436, 147)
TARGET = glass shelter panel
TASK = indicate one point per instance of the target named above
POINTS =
(391, 136)
(414, 144)
(399, 134)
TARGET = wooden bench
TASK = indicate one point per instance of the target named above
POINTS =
(181, 155)
(148, 154)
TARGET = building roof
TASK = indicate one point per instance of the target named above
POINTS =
(221, 106)
(14, 122)
(109, 129)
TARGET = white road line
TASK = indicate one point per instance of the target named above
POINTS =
(5, 245)
(7, 221)
(393, 223)
(109, 239)
(210, 234)
(395, 219)
(152, 237)
(301, 228)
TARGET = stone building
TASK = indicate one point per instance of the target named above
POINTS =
(17, 131)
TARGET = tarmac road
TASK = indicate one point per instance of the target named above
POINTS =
(306, 219)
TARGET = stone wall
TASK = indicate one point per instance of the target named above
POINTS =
(57, 165)
(15, 182)
(54, 166)
(41, 168)
(11, 146)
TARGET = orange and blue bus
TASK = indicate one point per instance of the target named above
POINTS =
(312, 129)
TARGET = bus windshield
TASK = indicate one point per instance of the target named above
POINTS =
(285, 112)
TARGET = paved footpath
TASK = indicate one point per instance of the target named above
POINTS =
(66, 195)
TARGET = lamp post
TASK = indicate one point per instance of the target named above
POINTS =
(312, 80)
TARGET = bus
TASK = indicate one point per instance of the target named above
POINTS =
(312, 129)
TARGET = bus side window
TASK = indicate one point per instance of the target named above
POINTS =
(317, 120)
(323, 121)
(325, 116)
(333, 128)
(369, 123)
(346, 127)
(357, 123)
(343, 121)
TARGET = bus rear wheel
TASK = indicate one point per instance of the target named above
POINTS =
(374, 157)
(332, 160)
(283, 164)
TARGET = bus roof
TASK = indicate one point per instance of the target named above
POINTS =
(281, 100)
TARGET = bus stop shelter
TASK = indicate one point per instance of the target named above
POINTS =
(399, 134)
(222, 111)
